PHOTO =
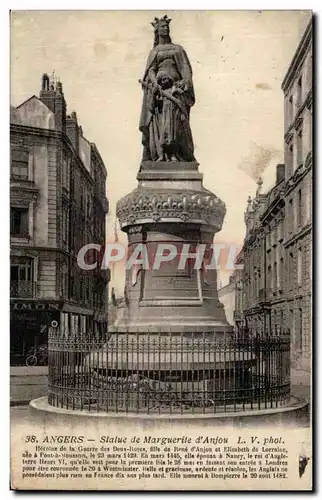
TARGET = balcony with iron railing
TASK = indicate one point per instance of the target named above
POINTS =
(22, 289)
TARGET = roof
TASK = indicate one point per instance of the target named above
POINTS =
(95, 149)
(33, 113)
(298, 56)
(29, 99)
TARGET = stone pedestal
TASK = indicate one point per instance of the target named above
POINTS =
(169, 345)
(171, 206)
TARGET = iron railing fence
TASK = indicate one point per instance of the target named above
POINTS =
(158, 372)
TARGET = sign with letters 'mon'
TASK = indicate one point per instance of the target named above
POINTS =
(34, 306)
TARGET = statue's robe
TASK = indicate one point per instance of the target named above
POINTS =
(187, 99)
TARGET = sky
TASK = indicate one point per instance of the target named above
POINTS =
(239, 59)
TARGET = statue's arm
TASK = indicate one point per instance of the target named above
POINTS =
(152, 74)
(186, 83)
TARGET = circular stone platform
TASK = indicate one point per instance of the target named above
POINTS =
(295, 414)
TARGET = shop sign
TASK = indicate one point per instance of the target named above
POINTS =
(35, 306)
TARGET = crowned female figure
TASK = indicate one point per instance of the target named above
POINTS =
(168, 96)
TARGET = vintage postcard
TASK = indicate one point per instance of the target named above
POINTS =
(161, 250)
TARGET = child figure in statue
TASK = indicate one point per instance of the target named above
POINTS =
(168, 96)
(169, 118)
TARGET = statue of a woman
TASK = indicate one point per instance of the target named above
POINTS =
(168, 96)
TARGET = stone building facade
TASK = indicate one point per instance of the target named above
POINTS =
(297, 88)
(250, 303)
(239, 293)
(57, 205)
(226, 295)
(274, 292)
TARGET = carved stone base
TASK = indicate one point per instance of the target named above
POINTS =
(164, 170)
(170, 206)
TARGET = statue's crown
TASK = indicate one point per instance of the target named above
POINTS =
(157, 21)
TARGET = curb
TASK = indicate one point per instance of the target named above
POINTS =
(41, 411)
(22, 402)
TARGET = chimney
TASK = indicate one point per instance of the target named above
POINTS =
(60, 108)
(52, 96)
(72, 130)
(47, 93)
(280, 173)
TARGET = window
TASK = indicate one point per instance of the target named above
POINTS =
(259, 282)
(299, 267)
(291, 217)
(299, 338)
(83, 197)
(299, 92)
(290, 271)
(64, 280)
(299, 207)
(269, 278)
(19, 221)
(21, 277)
(291, 324)
(294, 269)
(87, 290)
(299, 149)
(290, 109)
(281, 274)
(89, 205)
(282, 321)
(71, 291)
(290, 159)
(19, 164)
(65, 224)
(280, 234)
(275, 278)
(65, 173)
(72, 186)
